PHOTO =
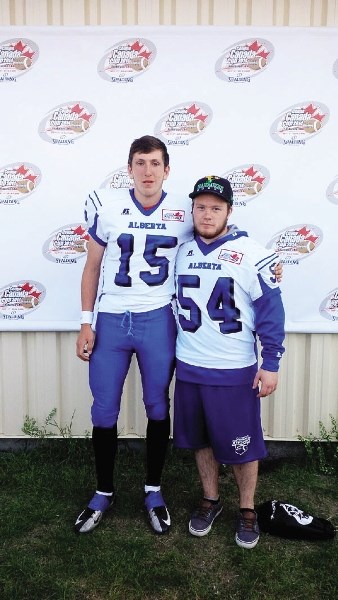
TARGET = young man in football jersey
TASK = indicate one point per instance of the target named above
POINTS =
(227, 294)
(135, 234)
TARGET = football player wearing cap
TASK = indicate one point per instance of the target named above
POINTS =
(227, 295)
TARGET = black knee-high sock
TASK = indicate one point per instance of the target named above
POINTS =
(157, 441)
(105, 446)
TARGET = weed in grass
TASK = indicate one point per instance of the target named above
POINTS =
(322, 451)
(33, 429)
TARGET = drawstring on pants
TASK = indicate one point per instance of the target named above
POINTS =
(127, 321)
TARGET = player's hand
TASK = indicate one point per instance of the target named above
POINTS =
(266, 381)
(279, 272)
(85, 342)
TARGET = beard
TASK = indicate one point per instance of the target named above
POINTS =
(212, 234)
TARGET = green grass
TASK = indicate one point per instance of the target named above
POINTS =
(43, 490)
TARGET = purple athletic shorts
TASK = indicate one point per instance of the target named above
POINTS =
(227, 419)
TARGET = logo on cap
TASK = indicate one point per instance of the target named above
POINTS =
(214, 185)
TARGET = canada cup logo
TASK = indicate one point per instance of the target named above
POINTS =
(17, 57)
(247, 182)
(182, 123)
(126, 60)
(20, 298)
(299, 123)
(118, 179)
(335, 69)
(296, 243)
(17, 181)
(332, 191)
(67, 122)
(244, 60)
(329, 306)
(67, 244)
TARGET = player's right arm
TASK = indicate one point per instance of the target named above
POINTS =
(89, 285)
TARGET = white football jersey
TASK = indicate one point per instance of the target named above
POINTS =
(141, 247)
(226, 293)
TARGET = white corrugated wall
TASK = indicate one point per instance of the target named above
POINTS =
(39, 371)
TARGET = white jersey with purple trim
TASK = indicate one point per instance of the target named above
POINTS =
(141, 247)
(226, 293)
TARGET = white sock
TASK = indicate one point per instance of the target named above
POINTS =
(152, 488)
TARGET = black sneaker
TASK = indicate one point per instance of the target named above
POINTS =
(158, 514)
(247, 532)
(202, 519)
(92, 515)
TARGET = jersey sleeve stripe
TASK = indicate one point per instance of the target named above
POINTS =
(92, 232)
(96, 202)
(267, 260)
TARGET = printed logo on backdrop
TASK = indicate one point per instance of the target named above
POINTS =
(332, 191)
(183, 123)
(17, 57)
(126, 60)
(335, 69)
(17, 181)
(296, 242)
(67, 122)
(299, 123)
(244, 60)
(118, 179)
(247, 182)
(329, 306)
(67, 244)
(20, 298)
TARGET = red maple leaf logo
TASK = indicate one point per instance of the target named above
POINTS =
(255, 46)
(310, 109)
(193, 110)
(79, 230)
(304, 231)
(76, 109)
(136, 46)
(31, 178)
(86, 117)
(201, 117)
(28, 54)
(19, 46)
(26, 287)
(250, 172)
(21, 170)
(318, 117)
(145, 54)
(36, 294)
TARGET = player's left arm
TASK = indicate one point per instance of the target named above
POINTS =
(266, 381)
(269, 326)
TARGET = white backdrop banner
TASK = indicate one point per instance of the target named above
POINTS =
(259, 106)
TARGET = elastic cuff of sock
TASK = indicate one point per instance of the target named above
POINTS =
(212, 500)
(247, 510)
(152, 488)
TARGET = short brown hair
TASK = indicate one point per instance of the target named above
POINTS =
(147, 144)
